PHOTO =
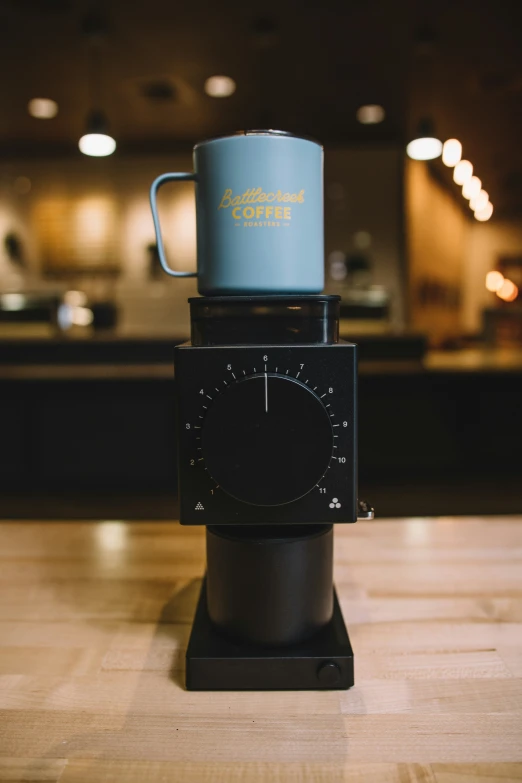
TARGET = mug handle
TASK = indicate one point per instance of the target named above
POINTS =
(158, 182)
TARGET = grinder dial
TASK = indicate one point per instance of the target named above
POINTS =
(267, 439)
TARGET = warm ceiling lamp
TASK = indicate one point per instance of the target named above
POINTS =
(42, 108)
(479, 202)
(494, 281)
(97, 142)
(462, 172)
(508, 291)
(424, 145)
(220, 86)
(370, 114)
(484, 214)
(471, 188)
(451, 152)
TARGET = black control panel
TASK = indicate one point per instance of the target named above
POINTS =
(267, 434)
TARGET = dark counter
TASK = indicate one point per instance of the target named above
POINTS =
(438, 437)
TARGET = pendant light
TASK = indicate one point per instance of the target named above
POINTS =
(96, 140)
(479, 202)
(462, 172)
(451, 152)
(471, 188)
(424, 145)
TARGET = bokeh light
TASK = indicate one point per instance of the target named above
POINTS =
(451, 152)
(97, 145)
(425, 148)
(471, 188)
(220, 86)
(42, 108)
(484, 214)
(370, 114)
(462, 172)
(508, 291)
(479, 202)
(494, 280)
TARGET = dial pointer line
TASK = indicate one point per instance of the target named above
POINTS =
(266, 393)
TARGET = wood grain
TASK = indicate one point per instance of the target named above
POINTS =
(95, 619)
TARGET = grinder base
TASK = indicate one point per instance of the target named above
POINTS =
(217, 663)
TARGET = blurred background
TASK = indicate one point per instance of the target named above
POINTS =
(419, 107)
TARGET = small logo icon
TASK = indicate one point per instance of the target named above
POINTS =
(199, 506)
(335, 503)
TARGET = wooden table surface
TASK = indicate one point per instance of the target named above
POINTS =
(95, 618)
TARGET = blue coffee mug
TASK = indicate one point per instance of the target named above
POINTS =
(259, 214)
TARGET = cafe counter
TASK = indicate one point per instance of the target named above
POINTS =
(96, 420)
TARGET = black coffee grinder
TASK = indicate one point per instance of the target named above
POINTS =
(267, 417)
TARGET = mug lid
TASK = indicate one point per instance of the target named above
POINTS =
(260, 132)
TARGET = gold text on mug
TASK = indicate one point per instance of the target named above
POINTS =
(258, 195)
(279, 213)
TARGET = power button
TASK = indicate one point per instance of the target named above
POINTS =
(329, 673)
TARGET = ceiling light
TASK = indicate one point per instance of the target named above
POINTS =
(97, 145)
(425, 148)
(370, 114)
(42, 108)
(494, 281)
(424, 145)
(471, 188)
(479, 202)
(462, 172)
(220, 86)
(451, 152)
(484, 214)
(97, 142)
(508, 291)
